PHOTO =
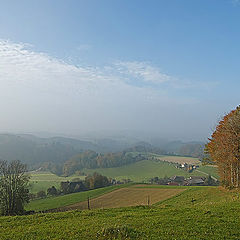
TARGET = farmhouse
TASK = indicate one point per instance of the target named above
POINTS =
(187, 167)
(176, 180)
(196, 181)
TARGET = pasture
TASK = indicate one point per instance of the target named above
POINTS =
(213, 215)
(209, 169)
(68, 199)
(44, 180)
(128, 196)
(142, 171)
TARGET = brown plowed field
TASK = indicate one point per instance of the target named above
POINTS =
(125, 197)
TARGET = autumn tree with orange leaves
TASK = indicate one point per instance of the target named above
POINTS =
(224, 148)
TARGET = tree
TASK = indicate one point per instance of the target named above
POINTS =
(52, 191)
(209, 181)
(96, 181)
(41, 194)
(13, 187)
(224, 148)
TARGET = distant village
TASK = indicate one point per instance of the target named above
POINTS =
(182, 181)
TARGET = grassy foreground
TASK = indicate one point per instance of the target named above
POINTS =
(214, 215)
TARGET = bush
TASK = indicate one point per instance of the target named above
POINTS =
(41, 194)
(52, 191)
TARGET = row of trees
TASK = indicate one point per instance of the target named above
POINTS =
(223, 149)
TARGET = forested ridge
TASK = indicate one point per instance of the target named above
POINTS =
(63, 155)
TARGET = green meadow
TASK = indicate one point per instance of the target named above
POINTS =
(197, 213)
(144, 170)
(68, 199)
(211, 170)
(43, 180)
(138, 172)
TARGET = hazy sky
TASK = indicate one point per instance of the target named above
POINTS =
(165, 67)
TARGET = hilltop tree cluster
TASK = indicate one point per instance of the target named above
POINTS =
(224, 148)
(91, 182)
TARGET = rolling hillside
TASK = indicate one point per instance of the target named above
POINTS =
(214, 214)
(138, 172)
(146, 169)
(41, 181)
(68, 199)
(107, 197)
(34, 150)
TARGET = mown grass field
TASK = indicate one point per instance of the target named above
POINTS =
(213, 215)
(134, 195)
(175, 159)
(44, 180)
(64, 200)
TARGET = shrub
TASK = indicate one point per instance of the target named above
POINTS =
(41, 194)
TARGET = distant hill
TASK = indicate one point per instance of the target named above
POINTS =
(35, 150)
(191, 149)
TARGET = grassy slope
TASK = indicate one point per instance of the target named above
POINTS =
(211, 170)
(43, 180)
(142, 171)
(60, 201)
(138, 172)
(214, 215)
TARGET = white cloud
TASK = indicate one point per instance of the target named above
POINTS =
(22, 67)
(143, 71)
(41, 93)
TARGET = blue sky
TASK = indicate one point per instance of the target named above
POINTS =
(166, 66)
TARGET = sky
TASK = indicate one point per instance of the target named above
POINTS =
(163, 68)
